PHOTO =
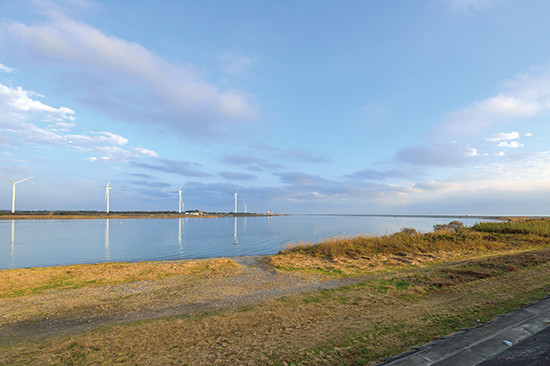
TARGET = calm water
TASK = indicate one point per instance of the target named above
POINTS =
(37, 243)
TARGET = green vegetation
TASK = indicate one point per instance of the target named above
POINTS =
(533, 227)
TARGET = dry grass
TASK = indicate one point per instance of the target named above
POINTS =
(353, 325)
(31, 281)
(360, 255)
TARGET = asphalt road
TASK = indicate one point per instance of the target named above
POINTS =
(532, 351)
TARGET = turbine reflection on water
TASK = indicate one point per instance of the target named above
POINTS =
(107, 251)
(235, 239)
(180, 230)
(13, 243)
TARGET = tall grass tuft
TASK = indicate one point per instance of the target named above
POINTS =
(402, 243)
(450, 238)
(534, 226)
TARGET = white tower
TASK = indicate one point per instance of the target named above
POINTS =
(181, 202)
(107, 189)
(13, 191)
(236, 200)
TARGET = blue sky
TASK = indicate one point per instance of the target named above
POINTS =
(424, 107)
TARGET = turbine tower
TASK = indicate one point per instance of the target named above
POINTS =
(107, 189)
(181, 202)
(244, 202)
(236, 200)
(13, 191)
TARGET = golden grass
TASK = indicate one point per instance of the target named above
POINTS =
(359, 255)
(27, 281)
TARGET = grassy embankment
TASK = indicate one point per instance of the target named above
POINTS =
(418, 287)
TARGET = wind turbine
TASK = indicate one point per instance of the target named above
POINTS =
(107, 189)
(236, 200)
(244, 206)
(13, 191)
(181, 205)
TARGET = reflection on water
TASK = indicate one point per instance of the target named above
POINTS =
(107, 251)
(235, 239)
(180, 228)
(12, 243)
(58, 242)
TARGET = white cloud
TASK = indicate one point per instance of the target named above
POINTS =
(529, 173)
(101, 158)
(503, 136)
(470, 6)
(4, 68)
(510, 144)
(112, 138)
(17, 100)
(146, 152)
(527, 95)
(471, 151)
(506, 139)
(114, 66)
(528, 134)
(31, 121)
(500, 153)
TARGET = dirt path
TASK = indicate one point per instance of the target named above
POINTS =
(66, 312)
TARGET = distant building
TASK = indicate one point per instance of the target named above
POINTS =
(270, 213)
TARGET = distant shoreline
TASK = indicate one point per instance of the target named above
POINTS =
(483, 217)
(63, 215)
(93, 215)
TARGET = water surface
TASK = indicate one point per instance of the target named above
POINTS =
(38, 243)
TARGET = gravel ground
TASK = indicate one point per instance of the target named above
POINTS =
(65, 312)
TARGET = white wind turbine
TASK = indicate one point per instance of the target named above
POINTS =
(181, 205)
(107, 189)
(244, 202)
(13, 191)
(236, 200)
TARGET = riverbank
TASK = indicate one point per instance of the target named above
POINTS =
(322, 309)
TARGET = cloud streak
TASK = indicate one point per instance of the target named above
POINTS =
(183, 168)
(106, 68)
(4, 68)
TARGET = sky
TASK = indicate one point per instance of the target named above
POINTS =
(349, 107)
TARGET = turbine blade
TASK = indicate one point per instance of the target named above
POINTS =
(22, 180)
(7, 179)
